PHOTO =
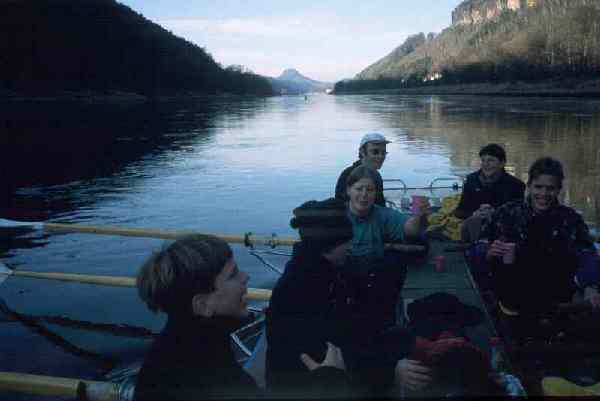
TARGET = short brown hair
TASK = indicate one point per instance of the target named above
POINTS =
(169, 279)
(546, 166)
(361, 172)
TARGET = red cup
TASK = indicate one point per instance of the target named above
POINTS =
(440, 263)
(419, 202)
(508, 258)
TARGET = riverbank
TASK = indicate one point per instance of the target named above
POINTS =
(562, 88)
(104, 97)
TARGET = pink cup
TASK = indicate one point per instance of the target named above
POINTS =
(418, 202)
(508, 258)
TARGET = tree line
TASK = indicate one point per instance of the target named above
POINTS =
(49, 45)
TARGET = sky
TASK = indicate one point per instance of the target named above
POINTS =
(323, 40)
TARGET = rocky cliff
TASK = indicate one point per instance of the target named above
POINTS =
(474, 12)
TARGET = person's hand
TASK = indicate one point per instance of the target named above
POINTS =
(333, 358)
(591, 295)
(411, 374)
(496, 249)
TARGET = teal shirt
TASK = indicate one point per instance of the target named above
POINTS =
(369, 233)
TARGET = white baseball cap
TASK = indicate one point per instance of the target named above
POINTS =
(373, 137)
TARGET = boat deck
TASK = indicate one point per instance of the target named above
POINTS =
(455, 279)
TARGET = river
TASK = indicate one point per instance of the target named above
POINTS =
(226, 166)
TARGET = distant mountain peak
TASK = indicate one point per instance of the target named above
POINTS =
(292, 74)
(292, 81)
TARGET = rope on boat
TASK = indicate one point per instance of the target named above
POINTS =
(267, 263)
(56, 339)
(118, 329)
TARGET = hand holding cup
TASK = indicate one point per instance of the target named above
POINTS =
(504, 250)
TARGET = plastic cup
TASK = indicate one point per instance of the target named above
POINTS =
(418, 202)
(508, 258)
(440, 263)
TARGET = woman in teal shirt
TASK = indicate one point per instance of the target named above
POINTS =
(377, 269)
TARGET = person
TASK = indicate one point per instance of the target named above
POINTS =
(197, 283)
(486, 189)
(312, 304)
(379, 255)
(371, 152)
(539, 252)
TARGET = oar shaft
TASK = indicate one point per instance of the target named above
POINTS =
(80, 278)
(164, 234)
(52, 386)
(256, 294)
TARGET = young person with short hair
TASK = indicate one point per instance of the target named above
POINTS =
(485, 190)
(197, 283)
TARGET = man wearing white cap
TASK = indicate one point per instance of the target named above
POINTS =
(371, 152)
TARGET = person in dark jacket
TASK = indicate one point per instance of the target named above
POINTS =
(313, 303)
(196, 281)
(540, 252)
(371, 152)
(485, 190)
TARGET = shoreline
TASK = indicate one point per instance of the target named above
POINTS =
(565, 88)
(108, 96)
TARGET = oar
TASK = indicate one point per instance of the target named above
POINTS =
(256, 294)
(59, 387)
(246, 239)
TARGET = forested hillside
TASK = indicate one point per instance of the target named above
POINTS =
(540, 40)
(101, 45)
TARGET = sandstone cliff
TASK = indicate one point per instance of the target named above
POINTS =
(478, 11)
(497, 40)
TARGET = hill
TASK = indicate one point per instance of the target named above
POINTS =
(292, 82)
(102, 45)
(496, 41)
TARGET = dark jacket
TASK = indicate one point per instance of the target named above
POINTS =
(552, 249)
(475, 193)
(192, 359)
(311, 304)
(340, 186)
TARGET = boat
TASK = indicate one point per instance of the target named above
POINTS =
(424, 278)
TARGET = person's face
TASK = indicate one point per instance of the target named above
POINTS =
(544, 192)
(231, 289)
(338, 255)
(362, 196)
(374, 154)
(491, 165)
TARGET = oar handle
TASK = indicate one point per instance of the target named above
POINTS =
(58, 386)
(247, 239)
(256, 294)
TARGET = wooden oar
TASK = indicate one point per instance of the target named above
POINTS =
(59, 387)
(246, 239)
(257, 294)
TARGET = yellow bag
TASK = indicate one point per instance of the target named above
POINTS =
(443, 222)
(557, 386)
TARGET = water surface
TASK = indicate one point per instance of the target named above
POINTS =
(228, 166)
